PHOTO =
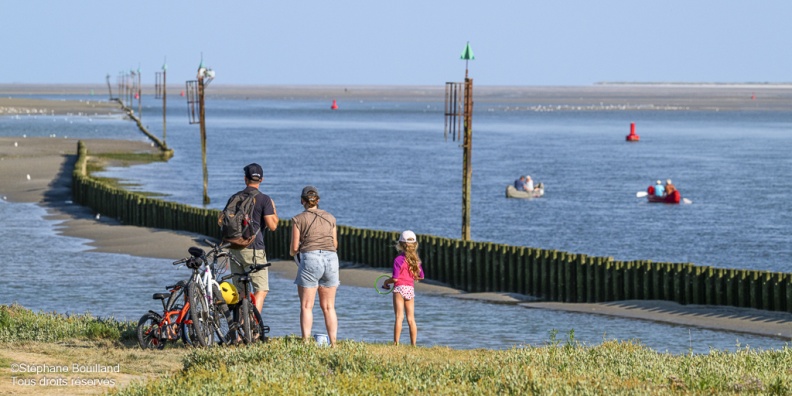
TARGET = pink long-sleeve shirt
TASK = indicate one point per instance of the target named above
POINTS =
(401, 272)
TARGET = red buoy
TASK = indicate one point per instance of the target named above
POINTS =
(334, 106)
(632, 137)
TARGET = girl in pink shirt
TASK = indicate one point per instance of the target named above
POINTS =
(406, 270)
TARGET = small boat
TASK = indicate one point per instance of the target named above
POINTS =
(512, 192)
(673, 198)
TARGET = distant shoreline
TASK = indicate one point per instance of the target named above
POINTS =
(597, 97)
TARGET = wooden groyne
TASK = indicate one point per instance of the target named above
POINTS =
(159, 143)
(477, 266)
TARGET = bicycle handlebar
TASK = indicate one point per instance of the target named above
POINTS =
(217, 251)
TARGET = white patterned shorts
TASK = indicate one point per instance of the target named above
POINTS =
(408, 292)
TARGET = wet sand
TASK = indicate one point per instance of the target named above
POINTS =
(24, 107)
(49, 162)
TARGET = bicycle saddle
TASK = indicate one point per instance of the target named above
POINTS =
(161, 296)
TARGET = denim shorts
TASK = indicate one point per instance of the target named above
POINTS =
(318, 268)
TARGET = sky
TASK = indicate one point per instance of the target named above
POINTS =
(406, 42)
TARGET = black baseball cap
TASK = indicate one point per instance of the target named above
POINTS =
(254, 172)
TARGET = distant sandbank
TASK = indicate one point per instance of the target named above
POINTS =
(631, 96)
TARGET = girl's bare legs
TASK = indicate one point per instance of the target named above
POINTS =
(307, 297)
(398, 309)
(327, 302)
(409, 307)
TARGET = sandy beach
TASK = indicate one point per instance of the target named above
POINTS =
(38, 170)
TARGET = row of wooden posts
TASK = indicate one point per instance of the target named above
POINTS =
(476, 266)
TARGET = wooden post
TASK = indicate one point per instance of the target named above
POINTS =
(164, 105)
(202, 117)
(778, 301)
(139, 95)
(580, 278)
(109, 89)
(788, 286)
(467, 154)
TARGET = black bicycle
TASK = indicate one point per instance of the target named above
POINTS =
(248, 318)
(245, 323)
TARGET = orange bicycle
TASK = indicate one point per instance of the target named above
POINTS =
(154, 330)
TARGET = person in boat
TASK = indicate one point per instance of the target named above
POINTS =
(529, 186)
(669, 188)
(658, 189)
(519, 184)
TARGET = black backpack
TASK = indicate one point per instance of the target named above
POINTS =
(235, 220)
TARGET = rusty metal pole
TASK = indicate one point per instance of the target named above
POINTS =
(467, 157)
(202, 116)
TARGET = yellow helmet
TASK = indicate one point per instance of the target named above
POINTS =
(229, 292)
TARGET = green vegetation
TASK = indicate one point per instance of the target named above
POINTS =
(287, 366)
(20, 324)
(99, 162)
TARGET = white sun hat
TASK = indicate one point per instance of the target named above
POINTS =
(408, 236)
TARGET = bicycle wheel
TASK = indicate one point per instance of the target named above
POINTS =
(148, 332)
(201, 316)
(221, 329)
(252, 327)
(244, 315)
(259, 334)
(187, 332)
(221, 316)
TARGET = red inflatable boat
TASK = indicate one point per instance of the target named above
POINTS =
(673, 198)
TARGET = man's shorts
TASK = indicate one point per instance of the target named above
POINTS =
(260, 279)
(318, 268)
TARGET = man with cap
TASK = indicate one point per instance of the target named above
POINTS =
(264, 214)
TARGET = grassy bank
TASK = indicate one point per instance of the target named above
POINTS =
(287, 366)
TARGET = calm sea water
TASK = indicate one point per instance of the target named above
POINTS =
(385, 165)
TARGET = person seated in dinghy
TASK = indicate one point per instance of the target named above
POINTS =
(519, 184)
(669, 188)
(529, 185)
(658, 189)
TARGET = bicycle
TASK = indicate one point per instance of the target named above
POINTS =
(251, 324)
(250, 330)
(209, 314)
(155, 330)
